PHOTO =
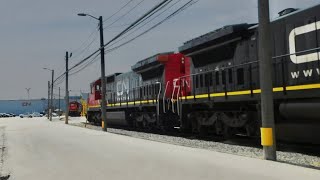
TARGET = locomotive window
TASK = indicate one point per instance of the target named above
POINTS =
(223, 77)
(217, 78)
(201, 80)
(97, 87)
(240, 76)
(230, 75)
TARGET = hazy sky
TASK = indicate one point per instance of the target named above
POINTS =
(36, 33)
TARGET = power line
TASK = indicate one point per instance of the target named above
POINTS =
(80, 69)
(86, 65)
(142, 18)
(184, 7)
(146, 23)
(86, 48)
(118, 11)
(123, 15)
(151, 14)
(121, 25)
(94, 32)
(61, 79)
(85, 42)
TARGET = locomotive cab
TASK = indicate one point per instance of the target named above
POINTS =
(96, 89)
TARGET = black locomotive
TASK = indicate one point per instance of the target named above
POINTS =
(225, 78)
(212, 85)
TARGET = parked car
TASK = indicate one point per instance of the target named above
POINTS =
(5, 115)
(53, 115)
(8, 115)
(36, 114)
(12, 114)
(26, 115)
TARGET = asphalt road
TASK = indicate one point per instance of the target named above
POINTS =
(38, 149)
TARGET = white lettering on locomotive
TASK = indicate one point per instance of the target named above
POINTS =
(298, 59)
(295, 75)
(306, 73)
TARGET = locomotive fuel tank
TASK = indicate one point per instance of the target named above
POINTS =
(308, 109)
(117, 118)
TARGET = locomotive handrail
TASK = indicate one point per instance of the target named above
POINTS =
(158, 98)
(178, 94)
(172, 96)
(133, 90)
(214, 70)
(249, 63)
(304, 51)
(163, 99)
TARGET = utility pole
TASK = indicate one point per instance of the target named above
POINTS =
(268, 139)
(51, 102)
(103, 83)
(67, 91)
(48, 98)
(59, 102)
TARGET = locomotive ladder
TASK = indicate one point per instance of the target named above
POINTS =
(164, 98)
(175, 101)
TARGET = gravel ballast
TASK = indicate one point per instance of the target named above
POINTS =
(254, 152)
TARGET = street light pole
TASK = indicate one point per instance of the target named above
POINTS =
(59, 102)
(52, 77)
(67, 88)
(268, 139)
(103, 83)
(48, 99)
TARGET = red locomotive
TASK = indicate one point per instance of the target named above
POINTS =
(75, 108)
(146, 96)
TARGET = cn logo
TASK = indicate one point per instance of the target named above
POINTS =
(299, 59)
(26, 103)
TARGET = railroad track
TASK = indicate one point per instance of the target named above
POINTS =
(238, 140)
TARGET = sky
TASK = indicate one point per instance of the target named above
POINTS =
(35, 34)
